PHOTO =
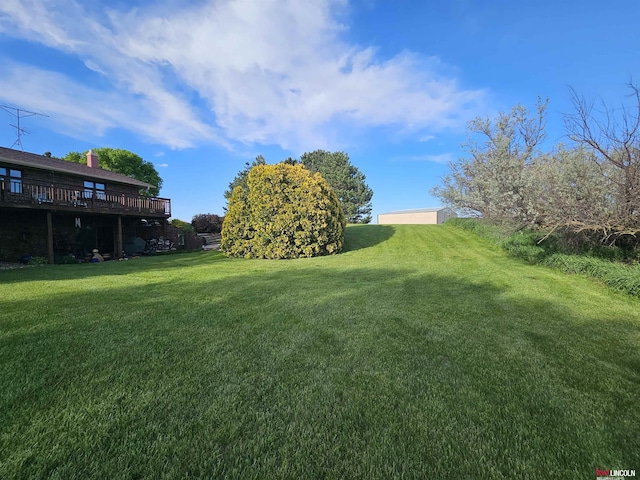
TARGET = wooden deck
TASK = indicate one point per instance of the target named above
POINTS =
(66, 199)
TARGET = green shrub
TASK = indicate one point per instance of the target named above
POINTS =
(38, 261)
(284, 212)
(525, 245)
(181, 225)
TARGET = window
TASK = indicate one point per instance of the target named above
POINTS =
(14, 179)
(100, 195)
(94, 188)
(88, 189)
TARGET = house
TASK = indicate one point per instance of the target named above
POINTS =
(51, 207)
(418, 216)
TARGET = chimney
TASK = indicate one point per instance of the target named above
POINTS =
(92, 159)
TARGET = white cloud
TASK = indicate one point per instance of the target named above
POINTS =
(162, 165)
(81, 111)
(262, 71)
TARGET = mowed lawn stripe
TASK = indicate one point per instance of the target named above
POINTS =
(420, 352)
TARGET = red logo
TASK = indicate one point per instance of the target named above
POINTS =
(602, 473)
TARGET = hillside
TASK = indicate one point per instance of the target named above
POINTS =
(421, 351)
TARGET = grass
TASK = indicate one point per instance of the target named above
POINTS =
(420, 352)
(606, 264)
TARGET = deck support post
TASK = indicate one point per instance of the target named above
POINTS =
(119, 245)
(49, 238)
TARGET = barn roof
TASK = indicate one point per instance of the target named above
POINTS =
(416, 210)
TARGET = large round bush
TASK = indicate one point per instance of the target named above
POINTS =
(285, 212)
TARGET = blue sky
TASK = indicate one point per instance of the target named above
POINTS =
(199, 88)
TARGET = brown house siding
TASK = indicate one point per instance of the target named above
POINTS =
(21, 234)
(50, 214)
(49, 179)
(24, 233)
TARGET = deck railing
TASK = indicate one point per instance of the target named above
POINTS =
(38, 196)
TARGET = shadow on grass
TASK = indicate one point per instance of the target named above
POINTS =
(305, 373)
(364, 236)
(357, 237)
(143, 264)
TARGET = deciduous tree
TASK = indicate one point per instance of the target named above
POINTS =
(181, 224)
(123, 162)
(613, 136)
(492, 180)
(569, 189)
(207, 223)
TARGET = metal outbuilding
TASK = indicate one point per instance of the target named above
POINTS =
(429, 216)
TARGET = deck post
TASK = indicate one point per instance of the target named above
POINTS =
(119, 245)
(49, 238)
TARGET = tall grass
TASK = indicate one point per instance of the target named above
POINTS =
(535, 248)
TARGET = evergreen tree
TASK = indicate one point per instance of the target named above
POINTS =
(346, 180)
(284, 212)
(241, 178)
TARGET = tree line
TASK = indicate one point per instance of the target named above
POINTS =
(346, 180)
(587, 190)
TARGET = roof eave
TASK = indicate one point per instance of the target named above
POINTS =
(90, 174)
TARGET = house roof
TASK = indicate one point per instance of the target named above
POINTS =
(416, 210)
(26, 159)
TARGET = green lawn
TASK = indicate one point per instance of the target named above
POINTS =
(420, 352)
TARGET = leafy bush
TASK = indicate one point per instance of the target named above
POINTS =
(527, 245)
(181, 225)
(285, 212)
(207, 223)
(38, 261)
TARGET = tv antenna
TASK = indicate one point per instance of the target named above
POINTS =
(19, 113)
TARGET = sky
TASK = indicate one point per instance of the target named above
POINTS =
(198, 88)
